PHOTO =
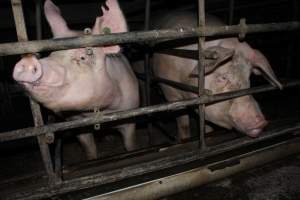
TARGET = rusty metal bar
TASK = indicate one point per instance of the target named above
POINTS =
(147, 69)
(144, 36)
(166, 161)
(201, 73)
(147, 60)
(114, 116)
(35, 108)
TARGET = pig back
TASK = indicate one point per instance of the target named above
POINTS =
(178, 19)
(172, 67)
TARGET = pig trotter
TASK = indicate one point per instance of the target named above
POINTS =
(88, 144)
(129, 136)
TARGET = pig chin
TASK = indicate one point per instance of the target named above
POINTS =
(43, 86)
(251, 131)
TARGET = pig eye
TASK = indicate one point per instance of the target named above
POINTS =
(82, 58)
(222, 78)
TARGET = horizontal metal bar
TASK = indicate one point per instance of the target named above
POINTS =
(159, 188)
(114, 116)
(166, 161)
(140, 36)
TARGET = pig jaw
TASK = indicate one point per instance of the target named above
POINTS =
(247, 118)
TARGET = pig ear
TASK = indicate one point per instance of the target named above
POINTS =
(56, 21)
(214, 57)
(112, 21)
(261, 66)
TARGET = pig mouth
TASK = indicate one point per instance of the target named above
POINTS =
(251, 131)
(40, 84)
(254, 132)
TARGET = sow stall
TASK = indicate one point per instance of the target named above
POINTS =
(272, 144)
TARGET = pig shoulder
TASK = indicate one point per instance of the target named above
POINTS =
(121, 73)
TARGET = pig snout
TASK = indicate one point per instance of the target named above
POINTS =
(27, 70)
(247, 117)
(260, 123)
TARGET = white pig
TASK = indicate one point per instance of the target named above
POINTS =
(83, 79)
(241, 113)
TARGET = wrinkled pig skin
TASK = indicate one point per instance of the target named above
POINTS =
(83, 79)
(241, 113)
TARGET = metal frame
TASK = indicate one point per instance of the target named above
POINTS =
(45, 132)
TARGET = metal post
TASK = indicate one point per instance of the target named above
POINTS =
(147, 69)
(201, 21)
(35, 108)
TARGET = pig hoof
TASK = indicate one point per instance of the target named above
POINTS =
(91, 156)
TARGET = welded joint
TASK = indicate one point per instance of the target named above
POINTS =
(49, 138)
(243, 29)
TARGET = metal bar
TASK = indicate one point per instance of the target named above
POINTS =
(166, 161)
(159, 188)
(147, 60)
(154, 35)
(201, 73)
(114, 116)
(147, 69)
(35, 108)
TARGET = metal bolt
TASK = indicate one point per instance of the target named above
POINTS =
(87, 31)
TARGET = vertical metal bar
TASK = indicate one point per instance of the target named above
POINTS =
(147, 67)
(231, 12)
(201, 65)
(147, 63)
(35, 108)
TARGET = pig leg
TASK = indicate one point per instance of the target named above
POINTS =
(88, 144)
(129, 136)
(208, 129)
(183, 125)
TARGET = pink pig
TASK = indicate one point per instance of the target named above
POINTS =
(83, 79)
(241, 113)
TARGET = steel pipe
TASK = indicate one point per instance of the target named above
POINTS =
(201, 72)
(114, 116)
(140, 36)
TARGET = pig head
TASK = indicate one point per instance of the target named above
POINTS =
(83, 79)
(233, 74)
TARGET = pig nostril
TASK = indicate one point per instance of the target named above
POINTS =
(34, 70)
